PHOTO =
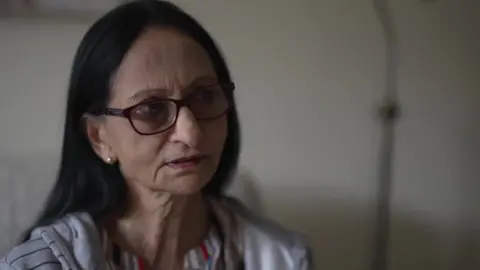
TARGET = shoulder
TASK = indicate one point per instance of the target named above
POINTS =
(257, 223)
(66, 243)
(264, 234)
(30, 255)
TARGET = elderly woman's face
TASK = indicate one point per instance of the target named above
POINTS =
(164, 63)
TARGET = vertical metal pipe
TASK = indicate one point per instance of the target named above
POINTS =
(389, 114)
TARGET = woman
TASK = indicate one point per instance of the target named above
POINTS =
(151, 140)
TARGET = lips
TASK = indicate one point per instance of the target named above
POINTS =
(185, 162)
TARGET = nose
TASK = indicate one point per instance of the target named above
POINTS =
(187, 129)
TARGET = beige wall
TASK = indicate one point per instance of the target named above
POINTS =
(309, 76)
(438, 139)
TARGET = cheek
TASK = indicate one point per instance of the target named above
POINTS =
(215, 134)
(135, 152)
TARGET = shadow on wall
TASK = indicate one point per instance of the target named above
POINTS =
(418, 243)
(340, 232)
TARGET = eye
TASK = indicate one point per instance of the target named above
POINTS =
(207, 94)
(151, 111)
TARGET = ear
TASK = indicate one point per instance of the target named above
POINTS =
(96, 133)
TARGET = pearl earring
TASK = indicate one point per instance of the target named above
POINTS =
(109, 160)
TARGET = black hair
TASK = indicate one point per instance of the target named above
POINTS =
(84, 182)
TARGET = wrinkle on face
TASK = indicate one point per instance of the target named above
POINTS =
(161, 55)
(164, 63)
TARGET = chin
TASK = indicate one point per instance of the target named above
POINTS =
(184, 185)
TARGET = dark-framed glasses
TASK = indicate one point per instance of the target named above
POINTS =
(156, 116)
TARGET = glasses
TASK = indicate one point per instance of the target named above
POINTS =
(156, 116)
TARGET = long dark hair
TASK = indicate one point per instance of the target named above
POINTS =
(84, 182)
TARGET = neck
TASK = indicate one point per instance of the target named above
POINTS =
(161, 227)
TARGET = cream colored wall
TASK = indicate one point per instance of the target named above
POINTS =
(309, 76)
(436, 163)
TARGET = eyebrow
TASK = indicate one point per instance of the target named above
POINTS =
(147, 92)
(151, 91)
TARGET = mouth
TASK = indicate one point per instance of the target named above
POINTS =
(186, 162)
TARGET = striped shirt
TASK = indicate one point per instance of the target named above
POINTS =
(201, 257)
(248, 242)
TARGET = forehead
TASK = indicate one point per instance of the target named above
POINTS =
(161, 58)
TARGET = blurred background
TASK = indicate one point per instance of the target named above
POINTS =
(310, 77)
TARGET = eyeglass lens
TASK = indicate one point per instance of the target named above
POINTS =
(156, 116)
